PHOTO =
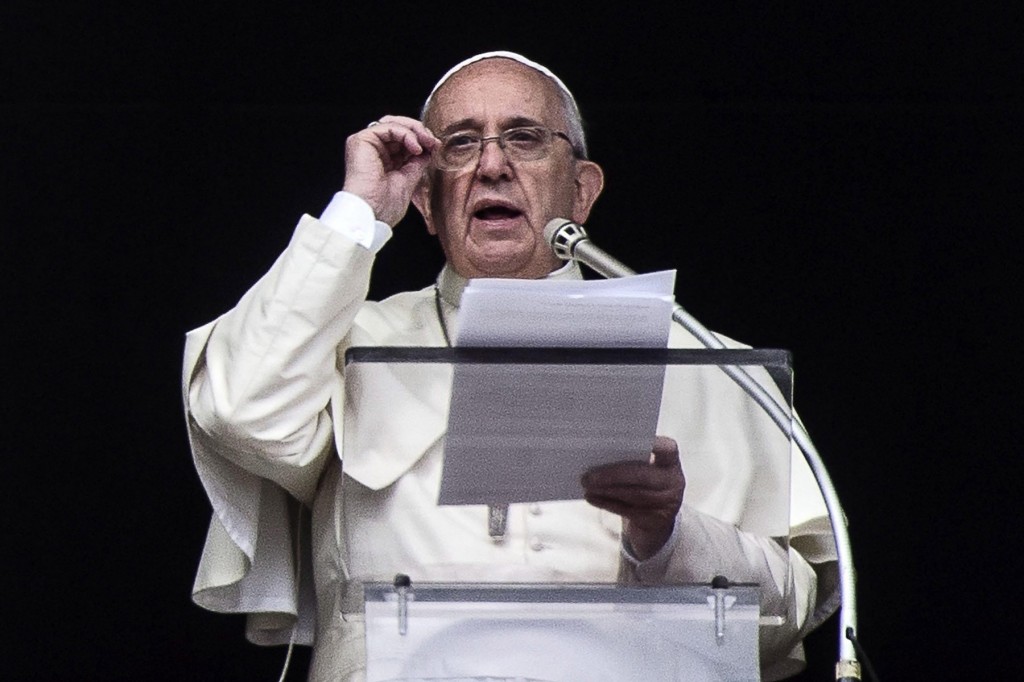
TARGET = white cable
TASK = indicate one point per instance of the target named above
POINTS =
(298, 581)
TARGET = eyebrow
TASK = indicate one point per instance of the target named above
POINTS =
(474, 124)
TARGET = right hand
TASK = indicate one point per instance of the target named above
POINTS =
(647, 495)
(385, 162)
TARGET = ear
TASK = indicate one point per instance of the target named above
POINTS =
(589, 183)
(421, 200)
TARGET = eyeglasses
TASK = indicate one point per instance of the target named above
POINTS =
(462, 149)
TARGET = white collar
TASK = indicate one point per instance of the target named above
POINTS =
(451, 284)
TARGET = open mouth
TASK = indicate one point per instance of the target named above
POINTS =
(491, 213)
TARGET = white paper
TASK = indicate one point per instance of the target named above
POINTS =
(524, 433)
(629, 312)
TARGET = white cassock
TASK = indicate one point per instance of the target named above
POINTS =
(266, 403)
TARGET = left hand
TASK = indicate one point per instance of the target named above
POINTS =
(647, 495)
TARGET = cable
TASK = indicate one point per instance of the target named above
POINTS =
(862, 655)
(298, 579)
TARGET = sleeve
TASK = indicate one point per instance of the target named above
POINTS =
(738, 466)
(703, 547)
(257, 387)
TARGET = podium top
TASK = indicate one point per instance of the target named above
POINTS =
(765, 357)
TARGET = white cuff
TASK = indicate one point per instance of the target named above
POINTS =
(351, 216)
(656, 564)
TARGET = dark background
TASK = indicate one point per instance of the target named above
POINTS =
(840, 180)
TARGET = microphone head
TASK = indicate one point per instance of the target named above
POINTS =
(563, 235)
(552, 228)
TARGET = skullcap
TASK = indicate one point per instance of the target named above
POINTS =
(502, 54)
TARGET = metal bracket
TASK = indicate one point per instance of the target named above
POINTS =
(403, 586)
(497, 521)
(720, 601)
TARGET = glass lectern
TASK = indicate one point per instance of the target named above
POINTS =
(472, 585)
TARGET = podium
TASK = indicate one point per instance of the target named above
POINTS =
(559, 633)
(498, 620)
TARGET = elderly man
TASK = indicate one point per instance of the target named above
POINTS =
(499, 152)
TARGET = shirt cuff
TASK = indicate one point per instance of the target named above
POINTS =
(351, 216)
(655, 565)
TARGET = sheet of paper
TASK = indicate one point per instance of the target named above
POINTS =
(521, 433)
(629, 312)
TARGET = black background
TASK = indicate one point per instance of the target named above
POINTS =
(840, 180)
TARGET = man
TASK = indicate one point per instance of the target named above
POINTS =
(498, 154)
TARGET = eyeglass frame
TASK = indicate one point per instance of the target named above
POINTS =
(502, 142)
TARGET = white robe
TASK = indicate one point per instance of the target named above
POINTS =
(265, 399)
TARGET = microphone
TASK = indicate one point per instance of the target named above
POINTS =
(570, 242)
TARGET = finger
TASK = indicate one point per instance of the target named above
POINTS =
(423, 134)
(413, 170)
(665, 452)
(628, 503)
(636, 495)
(610, 504)
(406, 121)
(395, 137)
(392, 140)
(650, 492)
(629, 474)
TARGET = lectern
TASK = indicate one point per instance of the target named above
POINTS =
(422, 624)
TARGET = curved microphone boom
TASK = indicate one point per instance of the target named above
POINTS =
(570, 242)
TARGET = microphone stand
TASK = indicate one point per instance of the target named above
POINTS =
(570, 242)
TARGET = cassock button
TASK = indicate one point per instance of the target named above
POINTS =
(535, 509)
(536, 544)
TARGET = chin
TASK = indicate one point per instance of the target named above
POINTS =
(498, 262)
(506, 266)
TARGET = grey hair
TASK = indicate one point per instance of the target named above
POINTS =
(573, 119)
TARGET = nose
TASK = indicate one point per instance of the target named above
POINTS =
(493, 163)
